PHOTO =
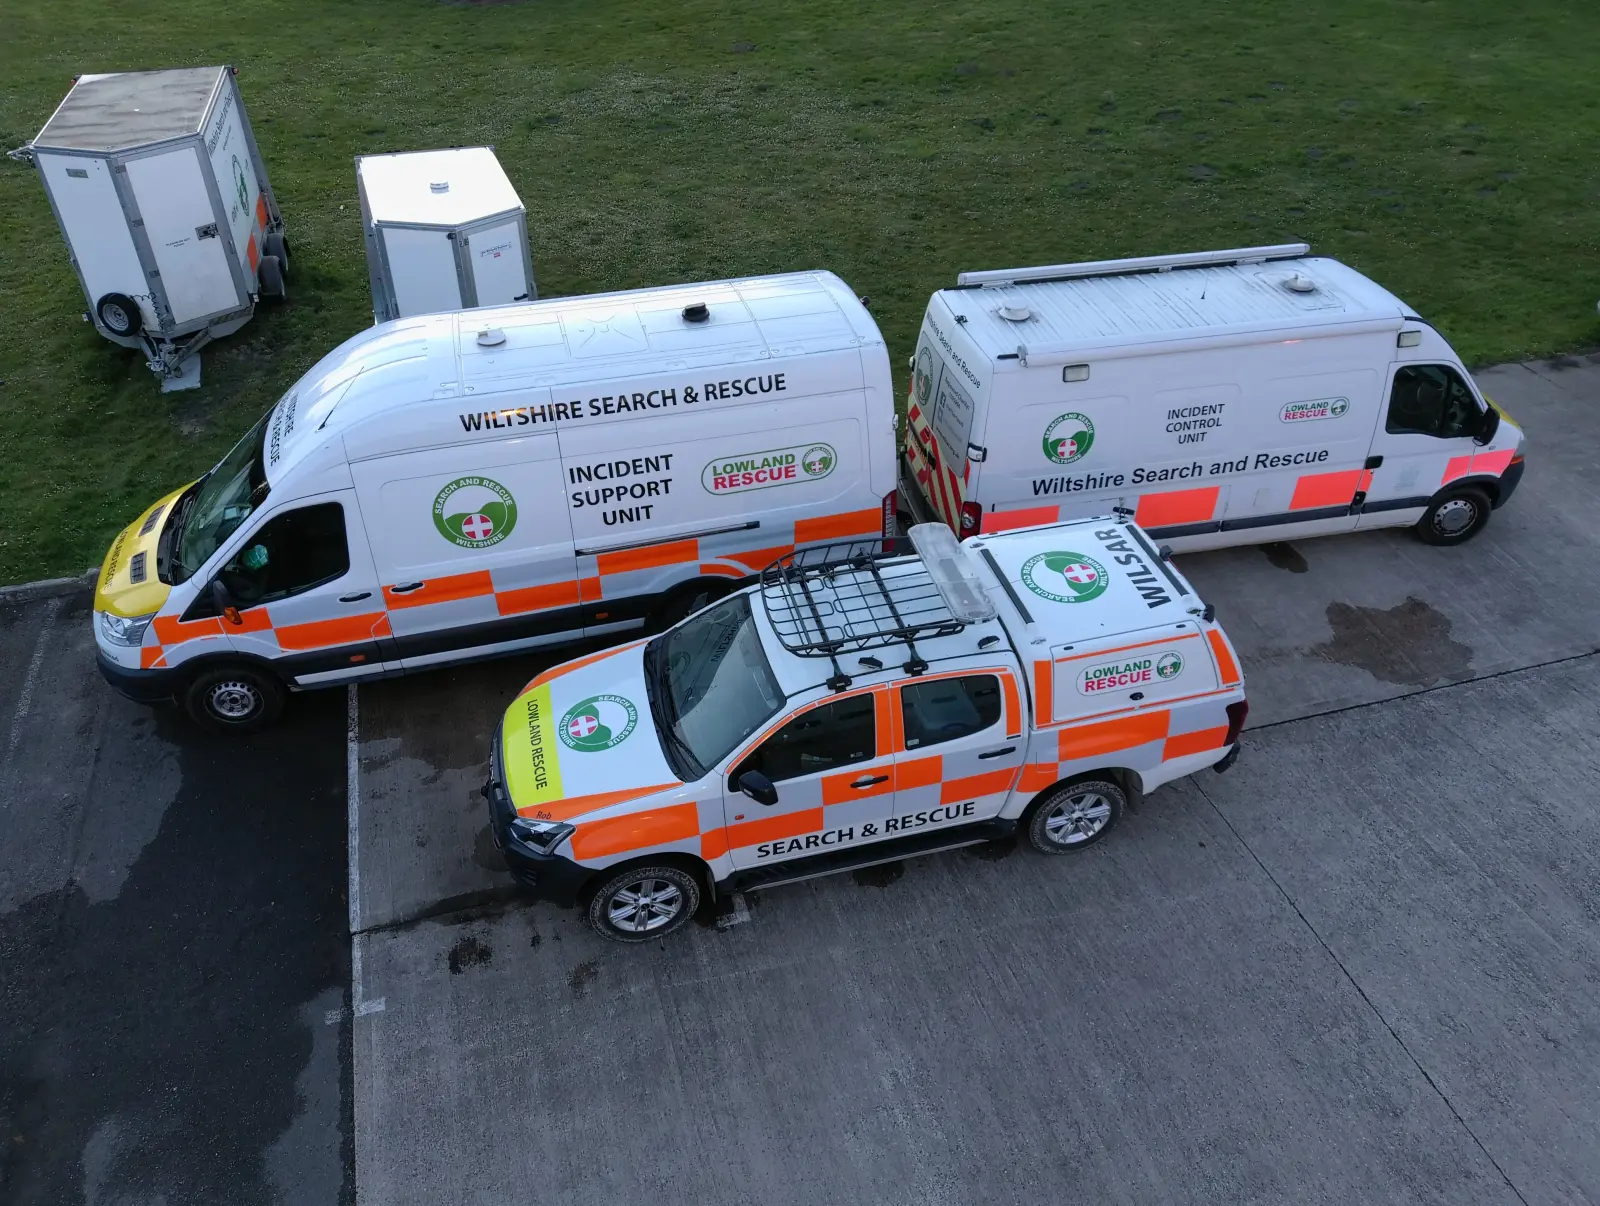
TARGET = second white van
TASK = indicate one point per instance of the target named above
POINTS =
(462, 485)
(1219, 398)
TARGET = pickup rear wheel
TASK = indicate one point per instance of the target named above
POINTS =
(1073, 816)
(644, 902)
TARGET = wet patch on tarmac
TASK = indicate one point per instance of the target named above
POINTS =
(1285, 557)
(468, 952)
(1408, 644)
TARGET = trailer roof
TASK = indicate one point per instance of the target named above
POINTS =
(131, 109)
(400, 187)
(1082, 314)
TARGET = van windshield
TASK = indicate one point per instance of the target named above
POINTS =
(223, 500)
(710, 686)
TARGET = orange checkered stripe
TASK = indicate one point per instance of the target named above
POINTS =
(170, 632)
(940, 485)
(1312, 491)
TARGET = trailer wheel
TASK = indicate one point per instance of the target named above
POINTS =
(119, 314)
(270, 273)
(275, 244)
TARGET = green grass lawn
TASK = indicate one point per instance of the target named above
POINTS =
(1446, 147)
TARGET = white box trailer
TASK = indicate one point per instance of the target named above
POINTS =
(160, 192)
(444, 231)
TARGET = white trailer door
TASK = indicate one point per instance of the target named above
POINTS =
(498, 273)
(422, 270)
(97, 231)
(181, 224)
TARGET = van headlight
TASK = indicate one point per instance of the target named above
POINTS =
(122, 630)
(543, 836)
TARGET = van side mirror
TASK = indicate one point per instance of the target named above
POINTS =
(758, 787)
(226, 608)
(1488, 428)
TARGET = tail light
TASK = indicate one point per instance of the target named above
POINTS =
(971, 519)
(1237, 711)
(889, 522)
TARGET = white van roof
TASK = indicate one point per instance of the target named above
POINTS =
(1079, 308)
(478, 356)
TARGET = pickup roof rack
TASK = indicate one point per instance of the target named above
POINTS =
(857, 595)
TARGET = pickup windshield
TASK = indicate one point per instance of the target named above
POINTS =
(710, 685)
(224, 499)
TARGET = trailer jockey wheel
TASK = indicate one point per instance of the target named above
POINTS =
(118, 313)
(273, 243)
(270, 273)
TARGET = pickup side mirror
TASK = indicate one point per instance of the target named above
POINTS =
(226, 608)
(1488, 428)
(758, 787)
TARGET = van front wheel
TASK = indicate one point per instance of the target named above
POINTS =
(1454, 517)
(233, 698)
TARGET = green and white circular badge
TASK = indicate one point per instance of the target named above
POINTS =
(474, 512)
(1169, 665)
(817, 461)
(924, 377)
(1068, 438)
(598, 723)
(1065, 577)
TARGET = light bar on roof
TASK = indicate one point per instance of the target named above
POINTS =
(954, 576)
(995, 277)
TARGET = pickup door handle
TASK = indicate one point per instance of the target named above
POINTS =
(1010, 749)
(356, 598)
(405, 588)
(869, 780)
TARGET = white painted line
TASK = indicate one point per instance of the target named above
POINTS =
(352, 789)
(25, 701)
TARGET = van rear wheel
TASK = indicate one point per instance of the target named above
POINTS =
(233, 698)
(1074, 816)
(1455, 516)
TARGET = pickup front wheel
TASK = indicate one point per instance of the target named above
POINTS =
(1073, 816)
(642, 903)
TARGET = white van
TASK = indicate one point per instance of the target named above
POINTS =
(462, 485)
(1219, 398)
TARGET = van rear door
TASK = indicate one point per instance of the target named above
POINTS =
(473, 547)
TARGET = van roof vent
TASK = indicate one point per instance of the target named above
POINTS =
(696, 312)
(491, 337)
(439, 186)
(1015, 313)
(1300, 284)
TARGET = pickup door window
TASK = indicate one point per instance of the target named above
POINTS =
(834, 773)
(958, 763)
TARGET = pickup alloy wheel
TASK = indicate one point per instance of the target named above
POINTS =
(642, 903)
(1075, 815)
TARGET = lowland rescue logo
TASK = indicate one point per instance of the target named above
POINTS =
(1065, 577)
(1318, 408)
(598, 723)
(1131, 672)
(763, 470)
(870, 831)
(474, 512)
(1068, 438)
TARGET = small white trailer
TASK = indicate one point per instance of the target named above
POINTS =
(160, 192)
(444, 231)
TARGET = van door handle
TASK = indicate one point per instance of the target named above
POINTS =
(405, 588)
(356, 598)
(1010, 749)
(870, 781)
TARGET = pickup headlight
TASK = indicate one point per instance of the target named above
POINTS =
(543, 836)
(121, 630)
